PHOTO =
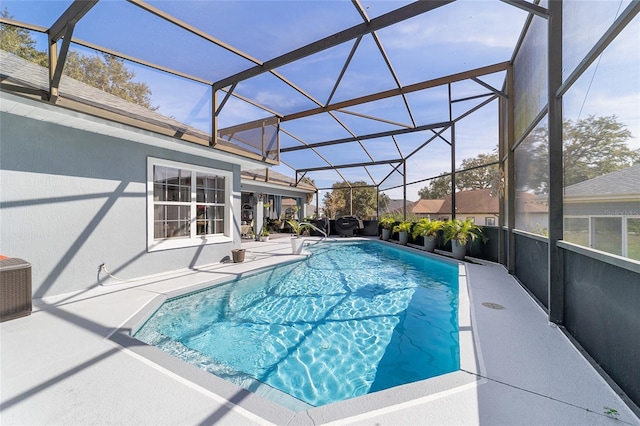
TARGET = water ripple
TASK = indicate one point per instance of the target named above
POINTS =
(352, 319)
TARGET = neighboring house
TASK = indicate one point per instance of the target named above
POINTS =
(394, 206)
(532, 212)
(604, 212)
(427, 208)
(478, 205)
(80, 190)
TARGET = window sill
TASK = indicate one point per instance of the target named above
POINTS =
(176, 243)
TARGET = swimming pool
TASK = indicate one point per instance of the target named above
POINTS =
(352, 319)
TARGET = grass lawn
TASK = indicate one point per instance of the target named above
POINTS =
(611, 246)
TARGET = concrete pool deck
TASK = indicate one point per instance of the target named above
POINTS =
(63, 364)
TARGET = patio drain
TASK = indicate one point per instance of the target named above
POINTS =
(492, 305)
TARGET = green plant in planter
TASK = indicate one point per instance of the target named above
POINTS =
(298, 227)
(404, 230)
(403, 227)
(387, 222)
(427, 228)
(463, 231)
(265, 222)
(460, 232)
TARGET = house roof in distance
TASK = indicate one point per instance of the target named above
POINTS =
(472, 201)
(621, 183)
(423, 206)
(395, 205)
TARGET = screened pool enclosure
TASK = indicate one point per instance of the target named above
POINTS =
(539, 98)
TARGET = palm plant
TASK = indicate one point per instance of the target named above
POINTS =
(463, 231)
(404, 230)
(428, 228)
(297, 227)
(403, 227)
(459, 232)
(387, 222)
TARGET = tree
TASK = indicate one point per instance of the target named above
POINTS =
(592, 147)
(595, 146)
(19, 42)
(311, 182)
(332, 202)
(477, 176)
(439, 187)
(107, 73)
(348, 198)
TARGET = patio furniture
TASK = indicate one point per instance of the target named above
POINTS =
(347, 226)
(246, 230)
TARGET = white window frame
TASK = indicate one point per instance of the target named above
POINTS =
(624, 229)
(154, 244)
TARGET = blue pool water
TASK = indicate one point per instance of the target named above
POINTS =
(352, 319)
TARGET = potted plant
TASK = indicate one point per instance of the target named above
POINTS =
(428, 229)
(403, 229)
(387, 223)
(264, 234)
(460, 232)
(297, 228)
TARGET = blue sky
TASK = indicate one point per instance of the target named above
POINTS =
(457, 37)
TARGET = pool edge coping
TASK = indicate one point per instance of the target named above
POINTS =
(238, 398)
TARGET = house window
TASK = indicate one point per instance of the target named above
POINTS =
(618, 235)
(633, 237)
(606, 234)
(490, 221)
(188, 205)
(576, 230)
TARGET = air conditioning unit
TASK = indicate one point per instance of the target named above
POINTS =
(15, 288)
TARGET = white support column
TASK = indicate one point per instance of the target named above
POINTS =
(259, 216)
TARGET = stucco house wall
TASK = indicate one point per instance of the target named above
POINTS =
(74, 199)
